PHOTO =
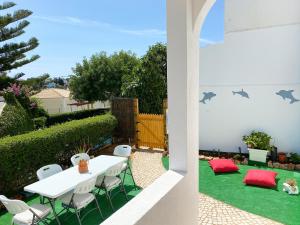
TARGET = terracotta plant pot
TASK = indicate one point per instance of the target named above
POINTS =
(245, 162)
(291, 166)
(282, 157)
(237, 162)
(297, 167)
(83, 166)
(270, 164)
(283, 166)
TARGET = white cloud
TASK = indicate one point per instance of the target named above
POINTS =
(207, 41)
(75, 21)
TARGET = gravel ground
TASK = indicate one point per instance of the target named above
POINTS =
(147, 166)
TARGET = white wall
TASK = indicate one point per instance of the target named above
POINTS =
(262, 62)
(253, 14)
(61, 105)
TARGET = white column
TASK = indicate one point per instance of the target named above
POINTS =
(184, 21)
(183, 97)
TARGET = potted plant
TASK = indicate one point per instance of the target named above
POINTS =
(258, 143)
(295, 159)
(282, 157)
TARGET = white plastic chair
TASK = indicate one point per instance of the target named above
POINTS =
(81, 197)
(111, 180)
(47, 171)
(125, 151)
(76, 158)
(24, 214)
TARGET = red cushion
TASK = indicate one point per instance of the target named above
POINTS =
(223, 165)
(264, 178)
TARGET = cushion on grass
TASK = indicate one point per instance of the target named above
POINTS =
(223, 165)
(263, 178)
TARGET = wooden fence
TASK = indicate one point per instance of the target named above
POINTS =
(151, 131)
(145, 130)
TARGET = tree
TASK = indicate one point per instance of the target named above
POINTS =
(36, 83)
(100, 77)
(59, 81)
(148, 82)
(13, 55)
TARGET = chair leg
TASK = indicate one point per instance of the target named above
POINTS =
(132, 176)
(109, 199)
(124, 191)
(78, 217)
(97, 203)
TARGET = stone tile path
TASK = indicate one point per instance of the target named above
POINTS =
(147, 166)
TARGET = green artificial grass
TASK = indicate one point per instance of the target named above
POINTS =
(93, 217)
(270, 203)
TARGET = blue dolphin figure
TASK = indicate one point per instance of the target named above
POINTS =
(287, 95)
(241, 93)
(207, 96)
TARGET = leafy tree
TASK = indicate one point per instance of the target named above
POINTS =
(148, 82)
(36, 83)
(13, 55)
(59, 81)
(100, 77)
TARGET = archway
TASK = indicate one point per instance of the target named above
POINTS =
(184, 22)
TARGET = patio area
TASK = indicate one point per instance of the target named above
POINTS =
(147, 166)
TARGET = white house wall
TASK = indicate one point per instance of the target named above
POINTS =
(262, 62)
(254, 14)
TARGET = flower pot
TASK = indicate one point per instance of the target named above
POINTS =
(257, 155)
(270, 164)
(281, 157)
(291, 166)
(297, 167)
(283, 166)
(83, 166)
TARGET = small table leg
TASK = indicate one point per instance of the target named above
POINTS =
(52, 203)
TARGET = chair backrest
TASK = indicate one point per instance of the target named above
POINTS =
(100, 180)
(122, 150)
(76, 158)
(85, 187)
(14, 206)
(47, 171)
(114, 170)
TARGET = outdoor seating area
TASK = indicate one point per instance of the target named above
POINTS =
(273, 203)
(95, 191)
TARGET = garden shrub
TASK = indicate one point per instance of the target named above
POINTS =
(14, 118)
(22, 155)
(39, 122)
(65, 117)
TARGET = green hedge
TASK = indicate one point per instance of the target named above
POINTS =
(65, 117)
(14, 118)
(40, 122)
(22, 155)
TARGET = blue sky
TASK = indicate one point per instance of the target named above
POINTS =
(69, 30)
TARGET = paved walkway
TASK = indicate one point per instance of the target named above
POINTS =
(147, 166)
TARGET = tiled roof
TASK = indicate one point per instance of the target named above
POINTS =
(53, 93)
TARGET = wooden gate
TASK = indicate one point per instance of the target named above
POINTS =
(151, 130)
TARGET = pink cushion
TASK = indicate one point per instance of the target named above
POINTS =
(223, 165)
(264, 178)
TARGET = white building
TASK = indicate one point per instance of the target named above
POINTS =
(55, 100)
(173, 198)
(260, 55)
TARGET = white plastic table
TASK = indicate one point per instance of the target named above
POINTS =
(65, 181)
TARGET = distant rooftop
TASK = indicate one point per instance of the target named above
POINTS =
(53, 93)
